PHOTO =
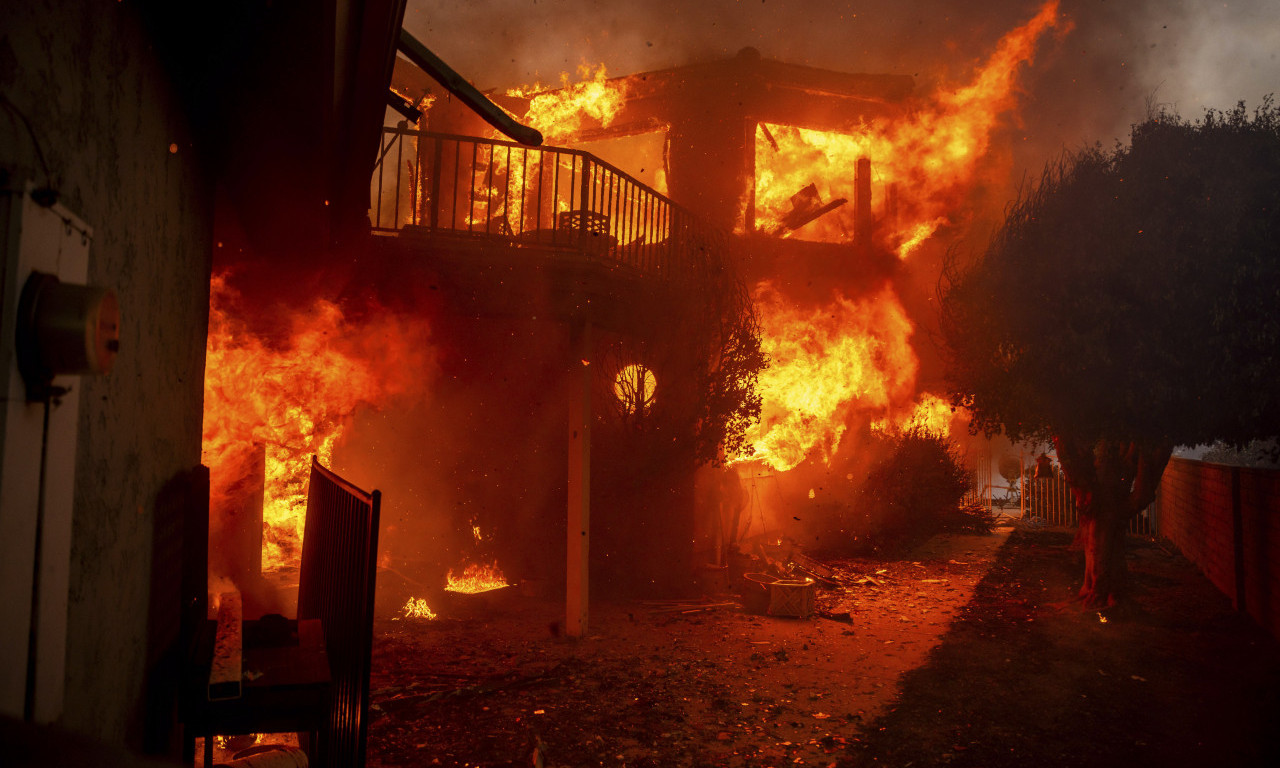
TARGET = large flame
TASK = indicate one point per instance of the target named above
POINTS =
(825, 363)
(930, 157)
(293, 397)
(561, 113)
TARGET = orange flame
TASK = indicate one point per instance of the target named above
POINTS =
(562, 113)
(930, 414)
(417, 608)
(933, 154)
(476, 578)
(294, 399)
(826, 363)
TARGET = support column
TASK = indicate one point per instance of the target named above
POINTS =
(577, 561)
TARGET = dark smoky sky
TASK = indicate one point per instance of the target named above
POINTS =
(1089, 84)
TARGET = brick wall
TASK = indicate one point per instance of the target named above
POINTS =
(1224, 520)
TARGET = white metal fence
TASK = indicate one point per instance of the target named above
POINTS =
(1046, 500)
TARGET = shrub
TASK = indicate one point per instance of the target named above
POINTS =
(916, 490)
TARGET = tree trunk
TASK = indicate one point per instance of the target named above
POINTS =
(1111, 481)
(1106, 575)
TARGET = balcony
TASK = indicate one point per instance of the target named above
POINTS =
(480, 199)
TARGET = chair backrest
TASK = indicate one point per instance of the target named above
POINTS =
(336, 585)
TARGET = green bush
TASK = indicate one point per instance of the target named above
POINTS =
(914, 491)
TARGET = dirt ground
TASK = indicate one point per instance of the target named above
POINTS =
(967, 653)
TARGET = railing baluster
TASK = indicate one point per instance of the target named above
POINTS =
(471, 190)
(522, 198)
(457, 179)
(382, 152)
(437, 149)
(395, 215)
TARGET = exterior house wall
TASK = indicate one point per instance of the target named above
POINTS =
(107, 120)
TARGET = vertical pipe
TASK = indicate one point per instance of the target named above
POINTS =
(579, 513)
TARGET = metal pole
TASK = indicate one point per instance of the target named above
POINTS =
(1022, 484)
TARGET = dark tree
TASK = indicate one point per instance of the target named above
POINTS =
(1129, 303)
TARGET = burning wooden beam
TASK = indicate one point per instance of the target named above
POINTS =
(862, 202)
(453, 82)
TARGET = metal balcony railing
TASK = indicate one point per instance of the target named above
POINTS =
(530, 197)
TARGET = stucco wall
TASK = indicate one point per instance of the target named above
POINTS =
(105, 114)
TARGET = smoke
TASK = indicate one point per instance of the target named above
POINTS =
(1089, 85)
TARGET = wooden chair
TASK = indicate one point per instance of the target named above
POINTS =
(336, 585)
(288, 690)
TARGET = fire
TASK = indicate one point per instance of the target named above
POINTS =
(931, 156)
(294, 398)
(635, 387)
(931, 414)
(560, 114)
(477, 578)
(825, 364)
(417, 608)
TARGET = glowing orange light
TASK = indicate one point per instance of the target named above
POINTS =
(930, 414)
(931, 156)
(561, 113)
(476, 578)
(825, 364)
(417, 608)
(295, 398)
(634, 387)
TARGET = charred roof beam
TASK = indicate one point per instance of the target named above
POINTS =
(433, 65)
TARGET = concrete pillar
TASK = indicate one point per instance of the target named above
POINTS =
(577, 562)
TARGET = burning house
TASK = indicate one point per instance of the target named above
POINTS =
(828, 187)
(623, 272)
(519, 345)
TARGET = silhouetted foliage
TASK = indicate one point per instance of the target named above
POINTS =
(914, 491)
(1129, 304)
